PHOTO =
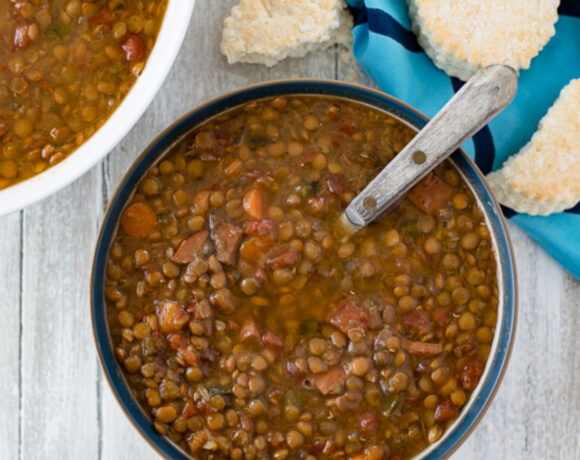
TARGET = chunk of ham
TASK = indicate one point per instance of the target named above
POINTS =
(424, 348)
(285, 259)
(348, 314)
(417, 322)
(226, 238)
(249, 330)
(471, 373)
(430, 194)
(329, 379)
(445, 411)
(21, 37)
(271, 339)
(259, 227)
(185, 253)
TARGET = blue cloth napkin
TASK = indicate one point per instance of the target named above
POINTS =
(387, 49)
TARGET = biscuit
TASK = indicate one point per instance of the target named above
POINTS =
(462, 36)
(544, 176)
(268, 31)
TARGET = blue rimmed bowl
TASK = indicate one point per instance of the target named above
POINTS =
(507, 306)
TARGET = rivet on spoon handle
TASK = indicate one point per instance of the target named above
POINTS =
(488, 92)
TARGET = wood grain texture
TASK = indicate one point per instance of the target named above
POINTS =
(10, 278)
(67, 409)
(59, 414)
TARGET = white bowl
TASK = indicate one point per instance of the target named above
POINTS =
(171, 35)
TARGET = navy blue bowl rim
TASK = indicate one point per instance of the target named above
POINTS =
(152, 153)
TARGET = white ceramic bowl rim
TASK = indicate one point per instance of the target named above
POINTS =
(121, 121)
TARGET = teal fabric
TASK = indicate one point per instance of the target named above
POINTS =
(387, 50)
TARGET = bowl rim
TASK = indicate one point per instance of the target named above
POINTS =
(160, 61)
(504, 338)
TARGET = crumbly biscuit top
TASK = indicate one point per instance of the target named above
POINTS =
(272, 28)
(485, 32)
(548, 167)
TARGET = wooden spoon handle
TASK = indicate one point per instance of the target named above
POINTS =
(489, 91)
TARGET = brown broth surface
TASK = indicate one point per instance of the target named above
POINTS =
(250, 326)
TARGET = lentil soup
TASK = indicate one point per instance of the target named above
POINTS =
(65, 66)
(249, 325)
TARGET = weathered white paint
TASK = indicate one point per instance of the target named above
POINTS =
(58, 417)
(68, 410)
(10, 277)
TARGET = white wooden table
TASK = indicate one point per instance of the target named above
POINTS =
(55, 403)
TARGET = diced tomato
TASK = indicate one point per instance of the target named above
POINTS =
(327, 380)
(254, 248)
(189, 409)
(259, 227)
(134, 48)
(368, 423)
(185, 253)
(21, 37)
(189, 355)
(445, 411)
(294, 371)
(430, 194)
(171, 316)
(336, 183)
(441, 316)
(471, 373)
(417, 322)
(254, 173)
(348, 125)
(260, 274)
(410, 417)
(271, 339)
(249, 330)
(254, 203)
(348, 315)
(275, 439)
(322, 446)
(201, 202)
(317, 205)
(138, 220)
(103, 16)
(285, 259)
(175, 341)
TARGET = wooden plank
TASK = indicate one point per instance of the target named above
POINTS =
(10, 255)
(199, 74)
(59, 417)
(536, 413)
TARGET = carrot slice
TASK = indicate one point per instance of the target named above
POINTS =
(254, 204)
(138, 220)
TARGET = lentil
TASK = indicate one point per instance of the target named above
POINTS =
(52, 51)
(250, 326)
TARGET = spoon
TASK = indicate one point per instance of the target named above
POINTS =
(484, 95)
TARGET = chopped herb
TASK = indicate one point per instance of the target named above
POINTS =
(304, 190)
(214, 391)
(56, 31)
(164, 218)
(258, 140)
(392, 401)
(148, 346)
(410, 229)
(309, 327)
